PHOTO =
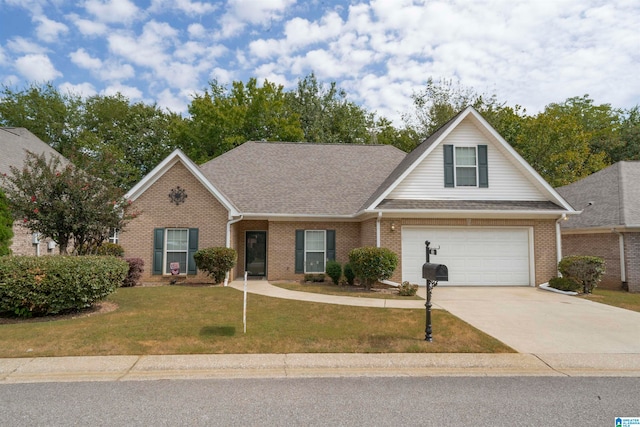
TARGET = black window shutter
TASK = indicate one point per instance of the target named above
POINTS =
(331, 245)
(299, 251)
(193, 247)
(449, 179)
(483, 167)
(158, 249)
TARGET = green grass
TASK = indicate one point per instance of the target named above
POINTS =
(331, 289)
(622, 299)
(193, 320)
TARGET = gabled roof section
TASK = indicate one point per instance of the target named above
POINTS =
(417, 156)
(14, 144)
(615, 196)
(178, 156)
(301, 179)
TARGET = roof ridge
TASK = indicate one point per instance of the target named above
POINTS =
(324, 143)
(621, 194)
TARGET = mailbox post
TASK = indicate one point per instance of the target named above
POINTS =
(433, 273)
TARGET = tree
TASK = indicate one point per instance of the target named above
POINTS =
(6, 225)
(629, 135)
(64, 203)
(371, 264)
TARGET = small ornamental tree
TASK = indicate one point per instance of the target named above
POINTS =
(371, 264)
(584, 270)
(64, 203)
(6, 225)
(216, 261)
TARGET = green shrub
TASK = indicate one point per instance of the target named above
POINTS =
(37, 286)
(371, 264)
(407, 289)
(585, 270)
(136, 268)
(349, 275)
(565, 284)
(334, 270)
(216, 261)
(105, 249)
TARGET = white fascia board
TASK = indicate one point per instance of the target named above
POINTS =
(299, 217)
(557, 198)
(451, 213)
(176, 156)
(419, 160)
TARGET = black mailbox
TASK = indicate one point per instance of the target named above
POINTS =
(437, 272)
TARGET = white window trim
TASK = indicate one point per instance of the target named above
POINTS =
(324, 252)
(114, 236)
(165, 251)
(455, 166)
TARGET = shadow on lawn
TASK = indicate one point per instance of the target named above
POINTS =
(218, 331)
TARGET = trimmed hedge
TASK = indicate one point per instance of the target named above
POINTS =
(216, 261)
(585, 270)
(334, 270)
(564, 284)
(136, 268)
(349, 274)
(371, 264)
(38, 286)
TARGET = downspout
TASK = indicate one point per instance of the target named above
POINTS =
(228, 241)
(623, 271)
(559, 242)
(378, 229)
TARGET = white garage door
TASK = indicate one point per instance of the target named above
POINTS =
(474, 256)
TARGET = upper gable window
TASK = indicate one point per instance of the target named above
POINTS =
(466, 166)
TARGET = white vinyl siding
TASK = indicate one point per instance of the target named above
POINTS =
(507, 182)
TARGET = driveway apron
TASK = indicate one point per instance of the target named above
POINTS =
(532, 320)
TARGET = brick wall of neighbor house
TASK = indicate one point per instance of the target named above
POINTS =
(604, 245)
(543, 236)
(22, 242)
(281, 243)
(238, 241)
(200, 210)
(632, 265)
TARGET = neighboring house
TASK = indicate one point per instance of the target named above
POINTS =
(609, 226)
(287, 208)
(14, 145)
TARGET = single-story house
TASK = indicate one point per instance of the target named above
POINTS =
(609, 226)
(287, 208)
(14, 145)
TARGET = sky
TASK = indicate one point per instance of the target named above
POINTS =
(527, 52)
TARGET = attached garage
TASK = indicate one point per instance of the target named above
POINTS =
(474, 256)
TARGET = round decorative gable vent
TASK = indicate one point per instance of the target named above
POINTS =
(177, 195)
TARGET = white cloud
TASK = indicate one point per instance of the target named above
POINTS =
(257, 12)
(84, 90)
(83, 60)
(171, 102)
(37, 67)
(112, 11)
(150, 49)
(88, 27)
(21, 45)
(221, 75)
(187, 6)
(197, 31)
(49, 30)
(133, 93)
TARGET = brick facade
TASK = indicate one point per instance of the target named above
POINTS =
(603, 245)
(22, 243)
(200, 210)
(632, 261)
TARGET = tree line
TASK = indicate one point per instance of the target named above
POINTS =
(119, 141)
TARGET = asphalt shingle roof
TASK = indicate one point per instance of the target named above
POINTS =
(14, 144)
(615, 194)
(301, 178)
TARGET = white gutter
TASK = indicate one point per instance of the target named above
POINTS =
(378, 229)
(559, 241)
(228, 242)
(623, 271)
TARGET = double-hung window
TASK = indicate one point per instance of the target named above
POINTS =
(176, 249)
(466, 166)
(314, 251)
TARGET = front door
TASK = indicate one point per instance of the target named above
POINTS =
(255, 259)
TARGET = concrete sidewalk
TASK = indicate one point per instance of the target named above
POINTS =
(139, 368)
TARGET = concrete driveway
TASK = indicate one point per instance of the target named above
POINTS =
(532, 320)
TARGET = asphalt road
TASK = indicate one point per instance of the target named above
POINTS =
(434, 401)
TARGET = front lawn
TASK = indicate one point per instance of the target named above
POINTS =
(622, 299)
(197, 320)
